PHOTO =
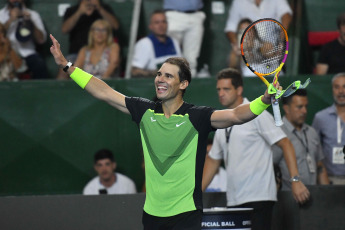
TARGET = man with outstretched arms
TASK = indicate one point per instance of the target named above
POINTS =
(174, 136)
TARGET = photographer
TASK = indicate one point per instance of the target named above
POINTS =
(25, 30)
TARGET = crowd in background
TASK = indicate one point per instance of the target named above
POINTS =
(177, 29)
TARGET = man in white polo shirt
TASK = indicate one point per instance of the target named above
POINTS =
(246, 151)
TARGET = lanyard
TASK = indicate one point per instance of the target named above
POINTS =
(227, 134)
(339, 130)
(300, 139)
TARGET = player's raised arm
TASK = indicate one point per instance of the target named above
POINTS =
(96, 87)
(221, 119)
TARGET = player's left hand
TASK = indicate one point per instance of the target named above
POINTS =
(266, 98)
(271, 92)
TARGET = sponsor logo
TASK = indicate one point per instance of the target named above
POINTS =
(178, 125)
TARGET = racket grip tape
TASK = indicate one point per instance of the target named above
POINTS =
(81, 77)
(276, 112)
(257, 106)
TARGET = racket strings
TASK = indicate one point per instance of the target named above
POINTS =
(264, 46)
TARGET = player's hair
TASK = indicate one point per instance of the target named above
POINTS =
(299, 92)
(341, 20)
(184, 69)
(337, 76)
(103, 154)
(233, 74)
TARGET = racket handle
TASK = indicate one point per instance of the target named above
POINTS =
(276, 112)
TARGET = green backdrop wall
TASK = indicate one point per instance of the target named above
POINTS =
(49, 130)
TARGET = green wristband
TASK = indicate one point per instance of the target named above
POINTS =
(257, 106)
(81, 77)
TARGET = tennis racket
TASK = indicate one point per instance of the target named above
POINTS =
(264, 48)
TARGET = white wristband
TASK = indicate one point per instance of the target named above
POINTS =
(69, 64)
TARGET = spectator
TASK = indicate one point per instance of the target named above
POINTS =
(77, 22)
(332, 56)
(150, 52)
(101, 56)
(218, 183)
(254, 10)
(186, 24)
(236, 58)
(25, 30)
(10, 62)
(108, 181)
(305, 140)
(246, 151)
(329, 124)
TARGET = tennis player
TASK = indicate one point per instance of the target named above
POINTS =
(174, 137)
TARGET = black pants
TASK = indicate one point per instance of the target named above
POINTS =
(262, 214)
(184, 221)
